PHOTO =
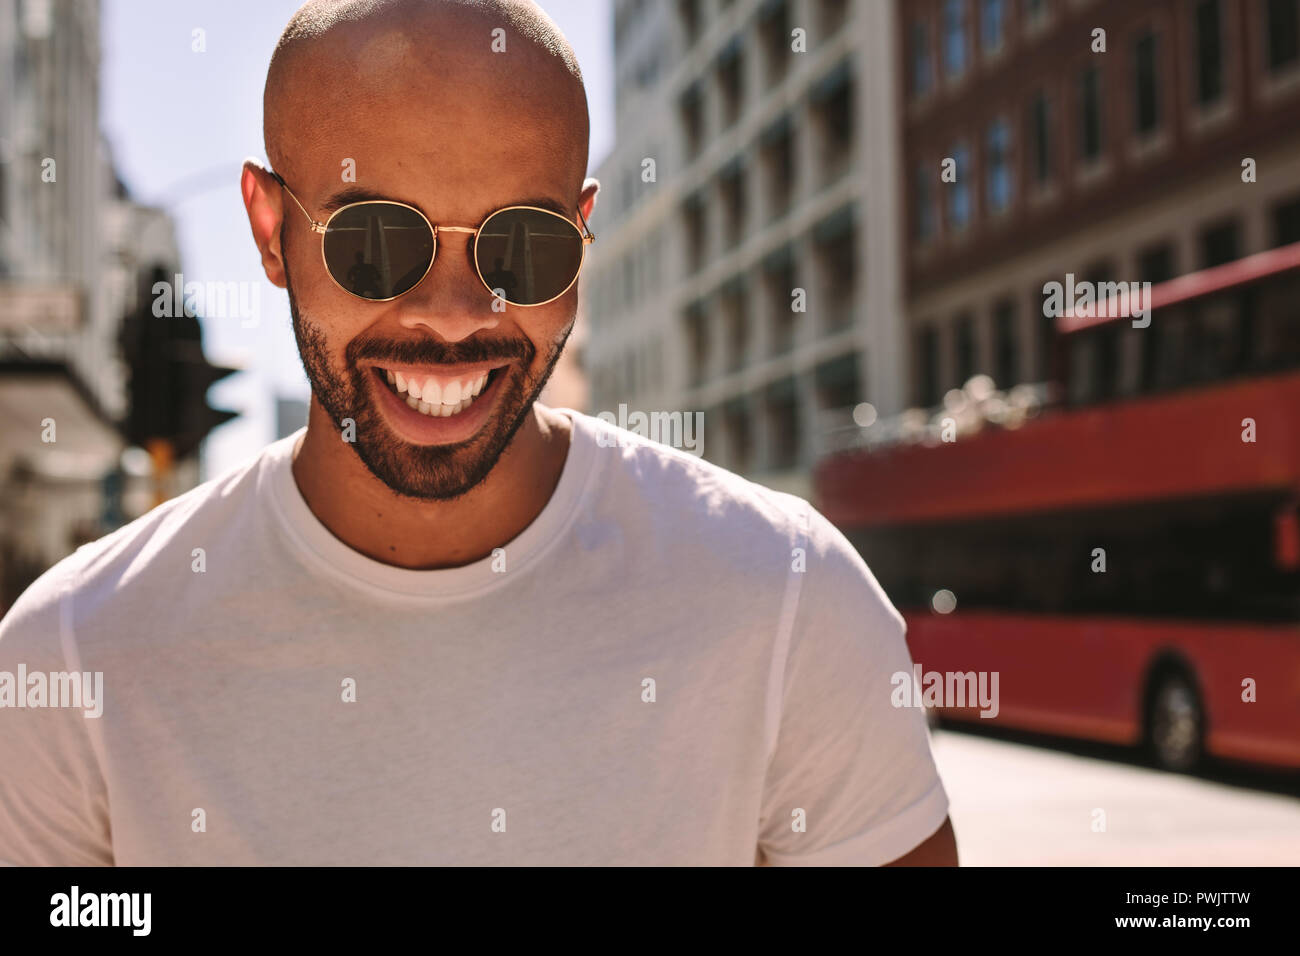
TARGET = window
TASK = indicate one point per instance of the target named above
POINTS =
(1156, 264)
(736, 312)
(1209, 52)
(783, 420)
(1219, 245)
(998, 167)
(780, 282)
(993, 15)
(837, 382)
(731, 82)
(733, 202)
(964, 334)
(959, 200)
(1046, 335)
(1105, 370)
(1147, 115)
(697, 337)
(1199, 557)
(1090, 114)
(696, 233)
(774, 31)
(927, 366)
(954, 37)
(922, 67)
(691, 111)
(1036, 13)
(1286, 223)
(1040, 138)
(778, 158)
(740, 439)
(1282, 33)
(832, 14)
(1100, 344)
(691, 18)
(923, 200)
(834, 249)
(1004, 343)
(832, 104)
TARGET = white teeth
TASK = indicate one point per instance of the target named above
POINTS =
(434, 399)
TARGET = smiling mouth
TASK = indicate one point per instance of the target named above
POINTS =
(439, 396)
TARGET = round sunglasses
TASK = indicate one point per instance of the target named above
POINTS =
(380, 249)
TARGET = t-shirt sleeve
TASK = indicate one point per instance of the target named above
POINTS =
(53, 801)
(851, 780)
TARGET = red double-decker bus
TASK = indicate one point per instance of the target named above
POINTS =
(1128, 560)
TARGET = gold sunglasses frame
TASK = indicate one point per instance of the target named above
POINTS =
(585, 233)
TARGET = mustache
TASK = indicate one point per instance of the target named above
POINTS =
(431, 352)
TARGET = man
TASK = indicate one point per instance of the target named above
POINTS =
(446, 624)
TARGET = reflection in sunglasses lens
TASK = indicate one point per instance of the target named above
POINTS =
(529, 255)
(378, 250)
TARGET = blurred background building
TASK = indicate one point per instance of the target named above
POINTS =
(747, 265)
(1123, 165)
(290, 415)
(744, 170)
(76, 258)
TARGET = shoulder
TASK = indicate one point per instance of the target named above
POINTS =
(686, 490)
(696, 501)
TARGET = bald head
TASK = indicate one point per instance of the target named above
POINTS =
(344, 64)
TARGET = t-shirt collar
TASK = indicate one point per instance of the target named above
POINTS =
(319, 547)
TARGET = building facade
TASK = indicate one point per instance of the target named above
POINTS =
(1173, 147)
(73, 249)
(746, 264)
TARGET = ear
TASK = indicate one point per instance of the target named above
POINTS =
(587, 198)
(264, 202)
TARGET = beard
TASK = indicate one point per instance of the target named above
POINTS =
(423, 472)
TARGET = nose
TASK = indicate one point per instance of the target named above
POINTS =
(450, 300)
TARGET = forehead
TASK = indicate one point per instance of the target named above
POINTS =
(458, 133)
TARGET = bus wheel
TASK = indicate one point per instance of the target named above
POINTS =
(1175, 722)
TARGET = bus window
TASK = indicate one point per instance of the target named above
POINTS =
(1216, 338)
(1106, 371)
(1129, 375)
(1171, 344)
(1276, 343)
(1080, 352)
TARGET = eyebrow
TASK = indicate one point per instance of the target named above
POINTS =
(355, 194)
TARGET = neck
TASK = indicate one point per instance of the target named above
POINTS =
(363, 513)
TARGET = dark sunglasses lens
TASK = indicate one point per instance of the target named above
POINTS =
(529, 255)
(378, 250)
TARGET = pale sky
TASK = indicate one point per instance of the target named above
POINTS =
(180, 123)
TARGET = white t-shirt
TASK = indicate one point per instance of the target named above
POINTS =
(675, 667)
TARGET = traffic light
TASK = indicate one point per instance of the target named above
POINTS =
(169, 377)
